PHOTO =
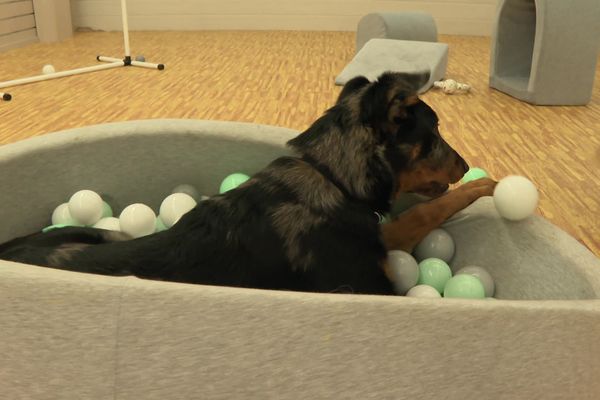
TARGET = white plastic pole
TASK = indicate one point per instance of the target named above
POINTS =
(112, 62)
(61, 74)
(108, 59)
(133, 62)
(147, 65)
(125, 28)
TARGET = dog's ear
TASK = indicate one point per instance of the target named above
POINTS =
(398, 106)
(352, 86)
(415, 81)
(387, 100)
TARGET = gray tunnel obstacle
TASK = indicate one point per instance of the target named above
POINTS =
(413, 25)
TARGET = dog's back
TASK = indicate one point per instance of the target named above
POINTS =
(286, 228)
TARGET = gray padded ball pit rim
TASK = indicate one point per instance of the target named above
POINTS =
(69, 336)
(544, 51)
(139, 160)
(410, 25)
(382, 55)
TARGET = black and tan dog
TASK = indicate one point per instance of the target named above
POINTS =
(305, 223)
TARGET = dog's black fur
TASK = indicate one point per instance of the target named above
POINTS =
(305, 223)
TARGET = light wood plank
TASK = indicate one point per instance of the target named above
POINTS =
(10, 10)
(215, 22)
(230, 7)
(460, 26)
(17, 24)
(456, 2)
(447, 9)
(286, 79)
(262, 22)
(17, 39)
(473, 17)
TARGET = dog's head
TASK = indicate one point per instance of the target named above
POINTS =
(421, 159)
(381, 139)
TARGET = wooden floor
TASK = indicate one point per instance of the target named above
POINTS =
(286, 79)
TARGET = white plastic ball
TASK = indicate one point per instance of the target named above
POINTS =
(109, 223)
(437, 244)
(424, 291)
(48, 69)
(62, 216)
(404, 270)
(484, 276)
(189, 190)
(86, 207)
(515, 197)
(138, 220)
(174, 207)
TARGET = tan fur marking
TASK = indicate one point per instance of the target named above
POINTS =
(113, 236)
(64, 253)
(397, 110)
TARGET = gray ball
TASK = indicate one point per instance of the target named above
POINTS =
(486, 279)
(437, 244)
(140, 58)
(189, 190)
(404, 270)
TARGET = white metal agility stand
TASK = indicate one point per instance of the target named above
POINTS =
(112, 62)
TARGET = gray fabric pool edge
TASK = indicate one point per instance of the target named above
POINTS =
(236, 130)
(129, 339)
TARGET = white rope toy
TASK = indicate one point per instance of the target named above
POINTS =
(450, 86)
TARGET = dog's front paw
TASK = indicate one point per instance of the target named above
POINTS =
(478, 188)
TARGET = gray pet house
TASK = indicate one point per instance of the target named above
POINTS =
(544, 51)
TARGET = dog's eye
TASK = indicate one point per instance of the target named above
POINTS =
(400, 97)
(405, 125)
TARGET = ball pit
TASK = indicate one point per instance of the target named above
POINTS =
(276, 334)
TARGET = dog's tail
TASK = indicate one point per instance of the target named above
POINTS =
(56, 247)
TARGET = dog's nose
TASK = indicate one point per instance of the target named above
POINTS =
(463, 164)
(460, 169)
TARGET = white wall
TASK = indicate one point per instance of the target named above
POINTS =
(470, 17)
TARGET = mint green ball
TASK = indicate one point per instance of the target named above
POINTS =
(58, 226)
(464, 286)
(474, 174)
(160, 225)
(106, 210)
(435, 273)
(232, 181)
